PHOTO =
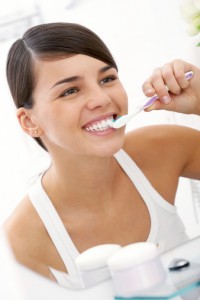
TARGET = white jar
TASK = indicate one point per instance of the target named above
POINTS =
(135, 268)
(92, 264)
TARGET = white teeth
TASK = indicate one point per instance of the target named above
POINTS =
(100, 126)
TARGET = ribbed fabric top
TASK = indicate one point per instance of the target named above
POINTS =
(167, 229)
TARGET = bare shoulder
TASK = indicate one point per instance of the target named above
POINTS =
(158, 136)
(165, 144)
(24, 229)
(29, 239)
(164, 153)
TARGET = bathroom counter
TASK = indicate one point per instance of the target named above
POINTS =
(30, 286)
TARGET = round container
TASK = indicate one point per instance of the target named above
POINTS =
(92, 264)
(136, 267)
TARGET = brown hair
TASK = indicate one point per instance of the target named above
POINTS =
(48, 41)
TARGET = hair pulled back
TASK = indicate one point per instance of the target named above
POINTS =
(49, 41)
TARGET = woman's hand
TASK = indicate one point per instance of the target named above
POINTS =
(183, 95)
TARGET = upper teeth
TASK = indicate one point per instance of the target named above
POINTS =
(101, 125)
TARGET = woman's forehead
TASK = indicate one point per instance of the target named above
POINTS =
(68, 65)
(48, 73)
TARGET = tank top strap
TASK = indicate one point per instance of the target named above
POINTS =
(55, 227)
(140, 181)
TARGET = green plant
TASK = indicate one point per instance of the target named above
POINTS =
(190, 11)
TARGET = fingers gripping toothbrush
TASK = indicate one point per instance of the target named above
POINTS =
(123, 120)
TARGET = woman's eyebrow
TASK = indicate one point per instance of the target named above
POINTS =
(104, 69)
(75, 78)
(68, 79)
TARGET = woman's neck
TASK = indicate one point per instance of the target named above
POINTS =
(80, 180)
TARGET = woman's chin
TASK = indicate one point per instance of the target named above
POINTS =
(108, 149)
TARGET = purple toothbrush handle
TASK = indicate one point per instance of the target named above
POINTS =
(188, 76)
(150, 102)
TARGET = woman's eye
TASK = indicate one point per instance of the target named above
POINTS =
(69, 92)
(108, 79)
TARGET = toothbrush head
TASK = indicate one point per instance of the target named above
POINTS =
(122, 120)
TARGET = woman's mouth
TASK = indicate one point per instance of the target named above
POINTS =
(101, 125)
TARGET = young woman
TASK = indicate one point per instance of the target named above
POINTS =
(102, 186)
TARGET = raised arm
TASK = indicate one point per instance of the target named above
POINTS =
(183, 95)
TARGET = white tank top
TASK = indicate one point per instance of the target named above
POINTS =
(167, 229)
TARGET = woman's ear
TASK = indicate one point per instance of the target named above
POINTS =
(27, 124)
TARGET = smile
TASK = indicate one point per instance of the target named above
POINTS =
(100, 126)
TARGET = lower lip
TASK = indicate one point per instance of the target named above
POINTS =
(101, 133)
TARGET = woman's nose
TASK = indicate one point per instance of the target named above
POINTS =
(97, 98)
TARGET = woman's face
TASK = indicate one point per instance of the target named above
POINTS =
(74, 97)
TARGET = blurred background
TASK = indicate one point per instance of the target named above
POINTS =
(141, 34)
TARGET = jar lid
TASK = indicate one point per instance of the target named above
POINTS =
(133, 255)
(96, 257)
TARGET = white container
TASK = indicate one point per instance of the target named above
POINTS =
(92, 264)
(136, 268)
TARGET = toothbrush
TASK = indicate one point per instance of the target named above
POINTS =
(123, 120)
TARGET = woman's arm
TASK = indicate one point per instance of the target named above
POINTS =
(183, 95)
